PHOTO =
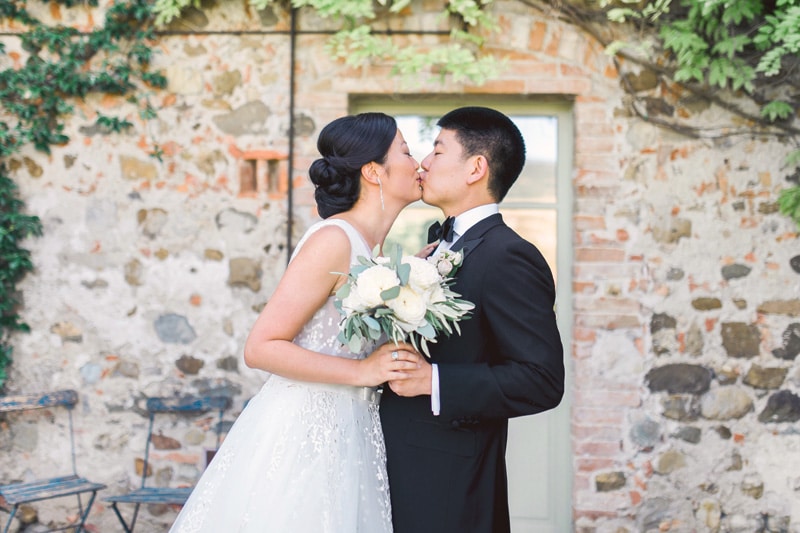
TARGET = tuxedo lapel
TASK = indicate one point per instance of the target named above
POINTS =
(474, 235)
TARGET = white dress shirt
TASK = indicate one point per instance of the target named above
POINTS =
(461, 224)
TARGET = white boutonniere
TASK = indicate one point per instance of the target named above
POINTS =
(447, 262)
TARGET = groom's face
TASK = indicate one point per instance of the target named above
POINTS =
(443, 172)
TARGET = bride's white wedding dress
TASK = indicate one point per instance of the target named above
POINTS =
(301, 457)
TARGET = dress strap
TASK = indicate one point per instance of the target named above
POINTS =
(358, 245)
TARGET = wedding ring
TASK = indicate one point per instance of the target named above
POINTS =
(395, 355)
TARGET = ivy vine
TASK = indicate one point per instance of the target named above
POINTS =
(60, 65)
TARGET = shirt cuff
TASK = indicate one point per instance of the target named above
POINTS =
(435, 402)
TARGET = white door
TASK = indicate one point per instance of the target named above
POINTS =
(538, 207)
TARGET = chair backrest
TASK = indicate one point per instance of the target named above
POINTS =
(188, 405)
(26, 402)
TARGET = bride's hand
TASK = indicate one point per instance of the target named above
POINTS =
(389, 362)
(427, 250)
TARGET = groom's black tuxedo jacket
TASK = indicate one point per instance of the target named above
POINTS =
(447, 473)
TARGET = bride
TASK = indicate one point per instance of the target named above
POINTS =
(307, 453)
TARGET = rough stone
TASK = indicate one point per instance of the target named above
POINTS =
(794, 262)
(669, 462)
(68, 332)
(726, 403)
(646, 433)
(681, 407)
(706, 304)
(735, 271)
(672, 231)
(237, 221)
(244, 272)
(675, 274)
(162, 442)
(91, 373)
(695, 341)
(783, 406)
(27, 515)
(132, 168)
(791, 343)
(765, 378)
(226, 82)
(679, 378)
(184, 80)
(133, 272)
(740, 303)
(740, 339)
(780, 307)
(608, 481)
(250, 119)
(152, 221)
(643, 80)
(230, 364)
(34, 169)
(213, 255)
(726, 375)
(724, 432)
(128, 369)
(768, 208)
(753, 486)
(709, 514)
(689, 434)
(189, 365)
(304, 125)
(662, 321)
(735, 462)
(175, 329)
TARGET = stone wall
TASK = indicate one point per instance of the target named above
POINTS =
(686, 284)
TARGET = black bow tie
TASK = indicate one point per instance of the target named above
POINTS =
(441, 232)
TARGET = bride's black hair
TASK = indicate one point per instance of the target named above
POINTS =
(347, 144)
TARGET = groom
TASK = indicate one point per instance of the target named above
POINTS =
(446, 428)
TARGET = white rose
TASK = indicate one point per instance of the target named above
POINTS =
(423, 274)
(436, 295)
(408, 306)
(372, 282)
(353, 303)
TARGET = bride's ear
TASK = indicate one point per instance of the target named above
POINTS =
(371, 172)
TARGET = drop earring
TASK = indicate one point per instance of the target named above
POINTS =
(380, 185)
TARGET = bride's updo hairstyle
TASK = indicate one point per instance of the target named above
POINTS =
(347, 144)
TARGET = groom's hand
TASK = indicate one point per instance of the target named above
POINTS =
(416, 383)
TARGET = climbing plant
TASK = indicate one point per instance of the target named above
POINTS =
(719, 50)
(39, 83)
(459, 59)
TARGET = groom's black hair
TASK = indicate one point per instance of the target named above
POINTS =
(487, 132)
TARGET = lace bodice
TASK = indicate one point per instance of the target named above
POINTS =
(320, 333)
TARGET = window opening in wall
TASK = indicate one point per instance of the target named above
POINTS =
(263, 172)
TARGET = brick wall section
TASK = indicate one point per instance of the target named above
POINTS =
(682, 269)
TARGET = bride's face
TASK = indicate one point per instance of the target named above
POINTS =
(402, 172)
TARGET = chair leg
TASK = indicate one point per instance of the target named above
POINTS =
(10, 518)
(127, 527)
(85, 514)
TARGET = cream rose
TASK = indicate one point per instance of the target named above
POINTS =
(372, 282)
(408, 306)
(423, 274)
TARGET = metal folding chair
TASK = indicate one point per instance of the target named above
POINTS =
(13, 495)
(185, 405)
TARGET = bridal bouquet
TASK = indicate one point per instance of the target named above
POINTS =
(405, 297)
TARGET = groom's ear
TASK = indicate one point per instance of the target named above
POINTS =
(478, 169)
